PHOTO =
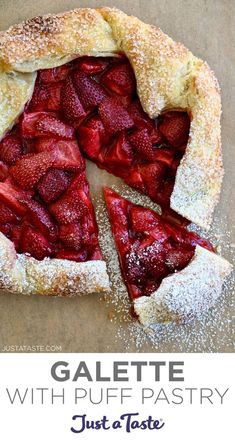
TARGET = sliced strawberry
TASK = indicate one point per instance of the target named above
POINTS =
(175, 127)
(140, 118)
(47, 124)
(177, 234)
(30, 168)
(48, 144)
(156, 136)
(88, 226)
(80, 182)
(46, 97)
(187, 239)
(68, 156)
(45, 144)
(69, 208)
(39, 98)
(3, 171)
(178, 258)
(114, 115)
(71, 235)
(71, 105)
(134, 270)
(181, 236)
(165, 156)
(157, 269)
(134, 179)
(28, 124)
(51, 126)
(117, 209)
(141, 142)
(120, 152)
(80, 121)
(12, 197)
(120, 79)
(172, 217)
(35, 244)
(125, 101)
(153, 257)
(7, 215)
(41, 218)
(89, 231)
(159, 234)
(91, 137)
(89, 91)
(54, 74)
(92, 65)
(10, 149)
(152, 175)
(54, 183)
(143, 219)
(73, 256)
(54, 100)
(195, 239)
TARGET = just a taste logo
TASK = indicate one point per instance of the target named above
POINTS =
(126, 421)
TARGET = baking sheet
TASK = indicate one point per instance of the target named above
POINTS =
(89, 323)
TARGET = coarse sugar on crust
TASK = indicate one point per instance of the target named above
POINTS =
(54, 39)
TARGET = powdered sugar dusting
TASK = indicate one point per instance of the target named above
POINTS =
(21, 273)
(210, 332)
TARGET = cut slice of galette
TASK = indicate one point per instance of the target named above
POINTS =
(170, 273)
(134, 101)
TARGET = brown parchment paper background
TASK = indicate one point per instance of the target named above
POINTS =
(82, 324)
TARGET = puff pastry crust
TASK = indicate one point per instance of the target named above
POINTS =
(23, 274)
(168, 76)
(185, 294)
(15, 90)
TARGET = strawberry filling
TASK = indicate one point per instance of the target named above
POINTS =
(149, 246)
(89, 104)
(45, 204)
(119, 134)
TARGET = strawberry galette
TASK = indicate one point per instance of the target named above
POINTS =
(103, 85)
(169, 272)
